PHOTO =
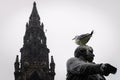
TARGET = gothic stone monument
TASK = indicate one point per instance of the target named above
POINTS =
(34, 63)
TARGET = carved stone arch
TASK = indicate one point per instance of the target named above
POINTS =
(35, 76)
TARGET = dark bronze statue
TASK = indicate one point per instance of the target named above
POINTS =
(82, 67)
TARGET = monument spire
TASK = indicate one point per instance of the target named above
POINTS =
(34, 62)
(34, 15)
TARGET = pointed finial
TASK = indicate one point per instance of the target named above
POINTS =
(42, 25)
(34, 15)
(52, 60)
(17, 59)
(26, 23)
(34, 3)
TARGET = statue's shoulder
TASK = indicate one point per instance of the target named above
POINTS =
(72, 59)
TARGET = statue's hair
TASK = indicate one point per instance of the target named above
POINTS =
(82, 50)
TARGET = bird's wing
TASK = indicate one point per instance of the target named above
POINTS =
(83, 36)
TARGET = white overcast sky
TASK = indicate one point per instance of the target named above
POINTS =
(63, 19)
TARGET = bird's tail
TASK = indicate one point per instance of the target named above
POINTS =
(91, 32)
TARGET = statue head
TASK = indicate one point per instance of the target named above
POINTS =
(85, 51)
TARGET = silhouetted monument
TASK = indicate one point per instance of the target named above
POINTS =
(34, 63)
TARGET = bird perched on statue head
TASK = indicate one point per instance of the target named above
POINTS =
(83, 39)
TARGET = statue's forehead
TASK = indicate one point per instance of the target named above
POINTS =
(90, 48)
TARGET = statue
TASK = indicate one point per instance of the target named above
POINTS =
(82, 67)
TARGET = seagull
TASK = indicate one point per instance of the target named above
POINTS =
(83, 39)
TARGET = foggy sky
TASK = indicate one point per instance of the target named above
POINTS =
(63, 20)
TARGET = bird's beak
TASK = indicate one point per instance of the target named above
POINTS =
(73, 38)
